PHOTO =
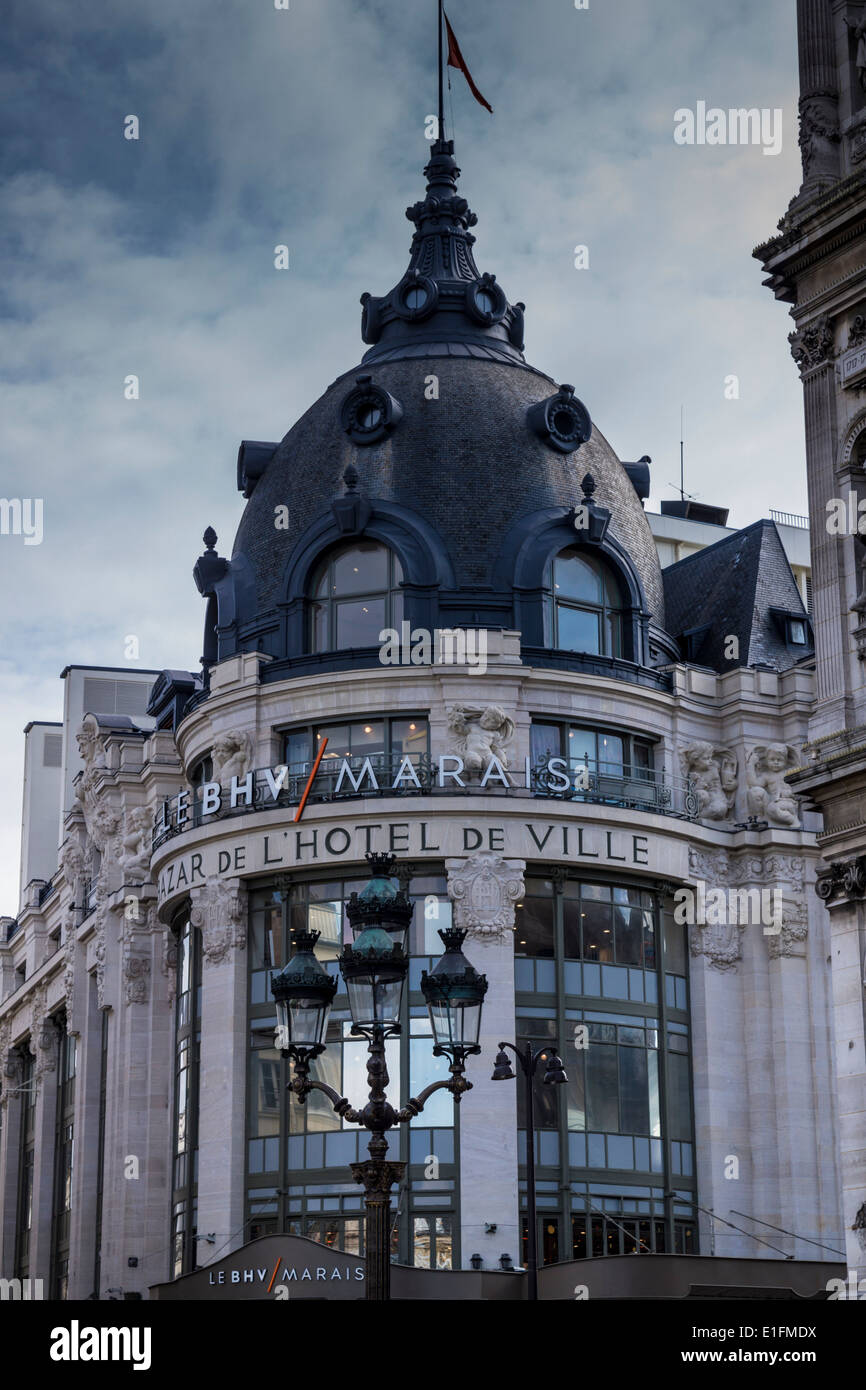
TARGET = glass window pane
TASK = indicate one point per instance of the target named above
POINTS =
(578, 630)
(339, 741)
(597, 931)
(610, 753)
(545, 742)
(576, 1091)
(359, 623)
(297, 751)
(368, 737)
(634, 1095)
(576, 577)
(422, 1243)
(675, 945)
(571, 921)
(265, 1119)
(361, 569)
(424, 1069)
(409, 736)
(601, 1088)
(533, 932)
(319, 627)
(327, 919)
(582, 746)
(628, 934)
(681, 1119)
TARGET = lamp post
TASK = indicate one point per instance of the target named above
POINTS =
(554, 1075)
(374, 968)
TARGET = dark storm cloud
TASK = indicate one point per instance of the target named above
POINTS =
(305, 127)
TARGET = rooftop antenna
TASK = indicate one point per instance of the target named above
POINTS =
(682, 470)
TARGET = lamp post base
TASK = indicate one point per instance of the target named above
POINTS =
(378, 1176)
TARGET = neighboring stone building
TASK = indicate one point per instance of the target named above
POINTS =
(555, 795)
(817, 264)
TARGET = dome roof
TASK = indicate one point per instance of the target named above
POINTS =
(467, 463)
(444, 444)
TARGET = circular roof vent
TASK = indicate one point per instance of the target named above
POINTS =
(562, 421)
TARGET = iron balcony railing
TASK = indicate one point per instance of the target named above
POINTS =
(590, 781)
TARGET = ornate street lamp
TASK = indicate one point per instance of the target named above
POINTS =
(374, 968)
(304, 992)
(554, 1075)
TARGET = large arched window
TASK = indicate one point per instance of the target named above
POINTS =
(355, 594)
(585, 604)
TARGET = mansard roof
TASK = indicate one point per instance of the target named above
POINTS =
(742, 587)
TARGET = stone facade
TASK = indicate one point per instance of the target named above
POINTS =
(760, 1010)
(816, 264)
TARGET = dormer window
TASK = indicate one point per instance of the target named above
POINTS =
(585, 604)
(355, 595)
(793, 627)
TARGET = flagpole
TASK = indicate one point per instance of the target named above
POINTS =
(441, 87)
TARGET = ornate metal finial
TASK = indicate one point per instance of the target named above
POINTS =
(350, 478)
(381, 865)
(210, 538)
(443, 297)
(587, 487)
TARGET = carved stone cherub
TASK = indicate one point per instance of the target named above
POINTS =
(477, 735)
(714, 774)
(769, 797)
(135, 844)
(232, 753)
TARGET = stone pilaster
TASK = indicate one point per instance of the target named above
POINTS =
(10, 1148)
(848, 952)
(219, 912)
(45, 1043)
(830, 615)
(136, 1177)
(82, 1230)
(725, 1169)
(484, 889)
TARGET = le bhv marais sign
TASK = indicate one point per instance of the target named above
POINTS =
(264, 788)
(275, 1267)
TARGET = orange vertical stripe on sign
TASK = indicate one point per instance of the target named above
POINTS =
(310, 780)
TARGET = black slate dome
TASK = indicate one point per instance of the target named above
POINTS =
(443, 444)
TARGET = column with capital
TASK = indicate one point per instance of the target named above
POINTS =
(219, 912)
(484, 889)
(818, 107)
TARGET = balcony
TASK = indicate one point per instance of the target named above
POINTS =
(592, 782)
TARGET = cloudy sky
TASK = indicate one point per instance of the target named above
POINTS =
(305, 126)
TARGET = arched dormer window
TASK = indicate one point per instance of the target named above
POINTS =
(585, 604)
(355, 594)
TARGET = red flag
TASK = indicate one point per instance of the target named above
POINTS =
(456, 60)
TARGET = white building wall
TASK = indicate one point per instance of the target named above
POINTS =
(43, 751)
